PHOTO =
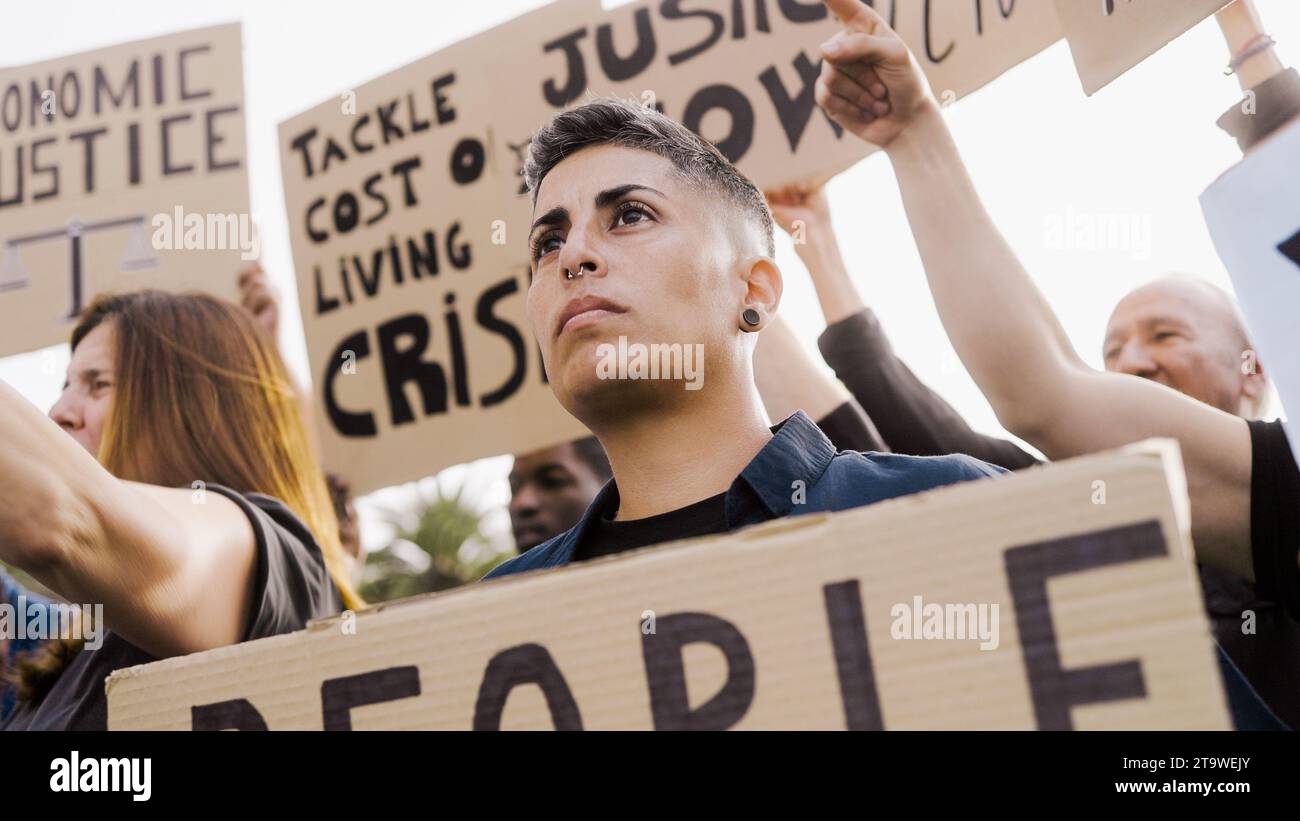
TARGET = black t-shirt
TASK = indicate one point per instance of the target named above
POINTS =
(910, 417)
(290, 586)
(604, 537)
(1275, 515)
(1269, 654)
(849, 428)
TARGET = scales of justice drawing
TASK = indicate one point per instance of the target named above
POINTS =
(138, 255)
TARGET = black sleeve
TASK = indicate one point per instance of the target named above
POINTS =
(291, 584)
(913, 419)
(1275, 515)
(849, 428)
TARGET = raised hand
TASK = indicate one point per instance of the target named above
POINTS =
(870, 83)
(800, 203)
(259, 298)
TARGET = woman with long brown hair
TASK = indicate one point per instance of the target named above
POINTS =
(193, 509)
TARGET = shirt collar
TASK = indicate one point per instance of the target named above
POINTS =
(606, 501)
(797, 452)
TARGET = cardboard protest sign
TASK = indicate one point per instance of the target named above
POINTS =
(742, 75)
(1054, 598)
(963, 46)
(404, 223)
(1253, 213)
(121, 168)
(409, 224)
(1108, 37)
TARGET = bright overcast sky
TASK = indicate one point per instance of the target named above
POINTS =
(1144, 148)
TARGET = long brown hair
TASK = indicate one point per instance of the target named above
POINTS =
(200, 394)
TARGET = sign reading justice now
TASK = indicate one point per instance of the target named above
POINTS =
(409, 223)
(93, 148)
(871, 618)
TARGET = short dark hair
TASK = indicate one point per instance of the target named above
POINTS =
(606, 121)
(588, 449)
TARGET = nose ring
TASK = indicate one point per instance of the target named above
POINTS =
(581, 269)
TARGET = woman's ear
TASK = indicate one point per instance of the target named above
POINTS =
(763, 286)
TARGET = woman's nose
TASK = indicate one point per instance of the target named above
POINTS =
(65, 412)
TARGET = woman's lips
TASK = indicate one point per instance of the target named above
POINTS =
(585, 311)
(588, 318)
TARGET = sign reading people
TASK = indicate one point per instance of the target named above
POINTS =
(1253, 212)
(1108, 37)
(120, 169)
(408, 218)
(1056, 598)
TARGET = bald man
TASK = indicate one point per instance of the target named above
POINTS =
(1180, 332)
(1196, 372)
(1187, 334)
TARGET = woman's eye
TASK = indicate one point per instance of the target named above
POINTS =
(631, 215)
(546, 245)
(101, 385)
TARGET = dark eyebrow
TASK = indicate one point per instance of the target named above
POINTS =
(555, 216)
(611, 195)
(604, 199)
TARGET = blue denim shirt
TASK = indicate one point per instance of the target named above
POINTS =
(800, 453)
(796, 472)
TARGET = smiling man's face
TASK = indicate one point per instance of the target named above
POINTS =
(1185, 335)
(660, 260)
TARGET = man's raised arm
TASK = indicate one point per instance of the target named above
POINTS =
(998, 321)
